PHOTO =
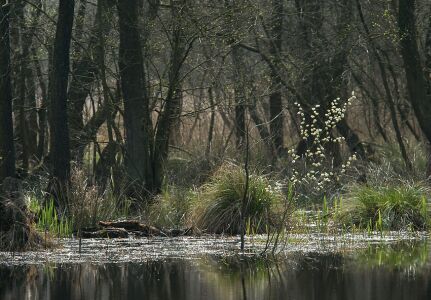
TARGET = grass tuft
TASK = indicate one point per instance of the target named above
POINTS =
(393, 207)
(48, 219)
(218, 206)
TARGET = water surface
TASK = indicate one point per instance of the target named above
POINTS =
(307, 267)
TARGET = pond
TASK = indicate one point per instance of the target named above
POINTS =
(309, 266)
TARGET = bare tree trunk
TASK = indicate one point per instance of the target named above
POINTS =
(137, 120)
(32, 114)
(60, 152)
(245, 199)
(7, 151)
(240, 97)
(428, 53)
(375, 109)
(275, 98)
(27, 118)
(41, 111)
(212, 123)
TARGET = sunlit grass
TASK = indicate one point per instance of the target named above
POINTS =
(218, 206)
(48, 219)
(402, 207)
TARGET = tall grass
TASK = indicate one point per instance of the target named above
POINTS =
(393, 207)
(85, 206)
(218, 204)
(48, 219)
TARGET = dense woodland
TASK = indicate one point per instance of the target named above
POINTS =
(140, 95)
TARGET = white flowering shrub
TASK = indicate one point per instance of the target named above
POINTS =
(319, 131)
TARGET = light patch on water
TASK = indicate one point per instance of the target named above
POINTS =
(101, 251)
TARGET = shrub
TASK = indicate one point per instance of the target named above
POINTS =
(318, 169)
(218, 207)
(387, 207)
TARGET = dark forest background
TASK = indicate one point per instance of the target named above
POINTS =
(138, 95)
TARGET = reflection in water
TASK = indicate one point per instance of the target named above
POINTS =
(399, 272)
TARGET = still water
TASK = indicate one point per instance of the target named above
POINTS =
(376, 270)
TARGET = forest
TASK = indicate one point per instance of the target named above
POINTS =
(233, 117)
(141, 101)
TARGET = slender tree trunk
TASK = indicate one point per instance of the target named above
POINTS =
(7, 151)
(25, 93)
(246, 196)
(212, 123)
(261, 125)
(22, 120)
(41, 111)
(239, 96)
(32, 114)
(60, 152)
(428, 53)
(275, 98)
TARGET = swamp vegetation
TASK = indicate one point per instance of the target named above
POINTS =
(220, 149)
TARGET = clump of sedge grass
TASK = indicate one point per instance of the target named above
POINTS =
(218, 207)
(48, 219)
(393, 207)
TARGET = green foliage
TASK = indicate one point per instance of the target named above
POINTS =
(219, 202)
(48, 219)
(391, 207)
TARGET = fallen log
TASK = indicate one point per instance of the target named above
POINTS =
(105, 233)
(135, 227)
(180, 232)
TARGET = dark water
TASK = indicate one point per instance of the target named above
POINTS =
(395, 271)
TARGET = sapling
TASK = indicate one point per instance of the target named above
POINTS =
(321, 135)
